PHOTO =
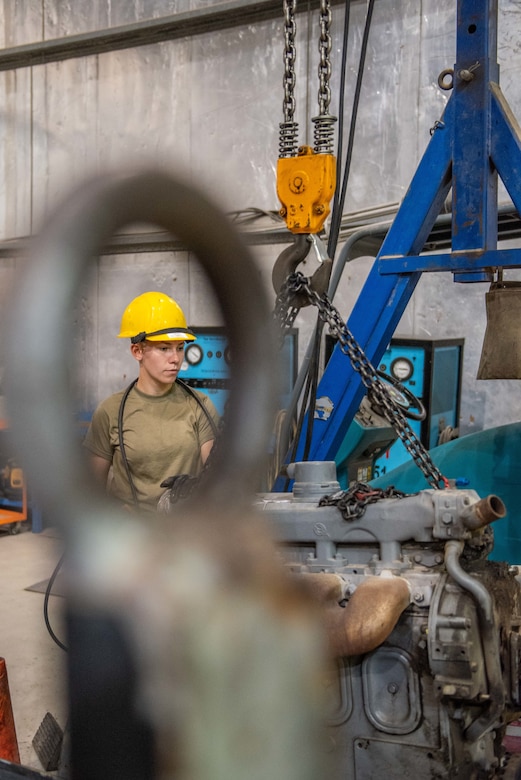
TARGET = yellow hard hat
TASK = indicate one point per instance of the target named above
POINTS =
(156, 317)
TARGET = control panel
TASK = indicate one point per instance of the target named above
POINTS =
(431, 370)
(206, 365)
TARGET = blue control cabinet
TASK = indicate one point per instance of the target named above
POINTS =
(431, 370)
(207, 365)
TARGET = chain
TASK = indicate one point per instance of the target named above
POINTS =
(288, 129)
(323, 131)
(353, 502)
(298, 283)
(324, 67)
(284, 313)
(288, 141)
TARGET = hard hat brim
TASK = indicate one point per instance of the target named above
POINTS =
(174, 335)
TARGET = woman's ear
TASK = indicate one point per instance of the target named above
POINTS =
(137, 351)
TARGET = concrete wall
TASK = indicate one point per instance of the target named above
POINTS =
(208, 108)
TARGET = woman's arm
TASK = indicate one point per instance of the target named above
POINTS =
(206, 448)
(100, 468)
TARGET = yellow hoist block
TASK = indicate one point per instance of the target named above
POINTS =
(305, 186)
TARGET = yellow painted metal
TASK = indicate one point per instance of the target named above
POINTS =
(305, 186)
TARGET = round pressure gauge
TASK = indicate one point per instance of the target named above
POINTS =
(402, 369)
(193, 354)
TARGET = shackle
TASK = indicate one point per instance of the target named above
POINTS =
(38, 344)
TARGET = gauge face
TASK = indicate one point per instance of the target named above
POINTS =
(402, 369)
(193, 354)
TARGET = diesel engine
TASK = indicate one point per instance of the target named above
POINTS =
(424, 629)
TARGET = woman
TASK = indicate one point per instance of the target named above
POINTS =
(158, 427)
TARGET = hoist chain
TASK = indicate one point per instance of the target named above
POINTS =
(289, 60)
(324, 67)
(353, 502)
(323, 131)
(288, 129)
(323, 123)
(298, 283)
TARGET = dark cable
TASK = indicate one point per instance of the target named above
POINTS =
(46, 605)
(341, 101)
(313, 388)
(298, 430)
(334, 233)
(195, 395)
(122, 444)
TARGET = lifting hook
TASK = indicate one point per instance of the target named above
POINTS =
(288, 260)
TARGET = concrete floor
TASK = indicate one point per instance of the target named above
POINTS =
(34, 662)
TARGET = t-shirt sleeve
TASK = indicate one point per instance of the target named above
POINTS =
(97, 438)
(206, 431)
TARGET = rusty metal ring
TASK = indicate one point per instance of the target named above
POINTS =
(40, 407)
(442, 83)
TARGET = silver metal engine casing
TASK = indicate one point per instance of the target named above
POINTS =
(433, 700)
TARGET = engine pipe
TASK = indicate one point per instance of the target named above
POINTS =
(368, 617)
(490, 638)
(483, 512)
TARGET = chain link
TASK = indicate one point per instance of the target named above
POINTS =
(353, 502)
(324, 67)
(289, 60)
(298, 283)
(288, 129)
(324, 122)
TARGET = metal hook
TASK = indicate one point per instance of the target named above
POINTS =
(287, 262)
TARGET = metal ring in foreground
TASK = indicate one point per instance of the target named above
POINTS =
(38, 343)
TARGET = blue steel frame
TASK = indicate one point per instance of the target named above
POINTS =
(477, 140)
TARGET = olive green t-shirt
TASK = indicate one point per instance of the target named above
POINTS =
(162, 437)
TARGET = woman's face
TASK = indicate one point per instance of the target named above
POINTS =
(160, 361)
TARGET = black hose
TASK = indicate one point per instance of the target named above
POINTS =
(313, 388)
(122, 444)
(341, 103)
(335, 228)
(48, 591)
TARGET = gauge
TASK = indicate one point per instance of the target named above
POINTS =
(193, 354)
(402, 369)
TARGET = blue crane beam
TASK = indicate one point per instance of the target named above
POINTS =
(476, 141)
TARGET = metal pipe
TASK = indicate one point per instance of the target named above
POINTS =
(150, 31)
(490, 638)
(368, 617)
(483, 512)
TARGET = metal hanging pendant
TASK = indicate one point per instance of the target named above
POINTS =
(501, 352)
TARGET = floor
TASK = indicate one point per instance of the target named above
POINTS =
(34, 662)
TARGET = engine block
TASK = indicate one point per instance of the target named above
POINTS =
(432, 695)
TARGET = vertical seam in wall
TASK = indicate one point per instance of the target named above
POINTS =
(31, 151)
(412, 301)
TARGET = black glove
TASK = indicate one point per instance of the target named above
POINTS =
(177, 488)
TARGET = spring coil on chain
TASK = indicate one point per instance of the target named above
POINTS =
(324, 134)
(323, 123)
(288, 139)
